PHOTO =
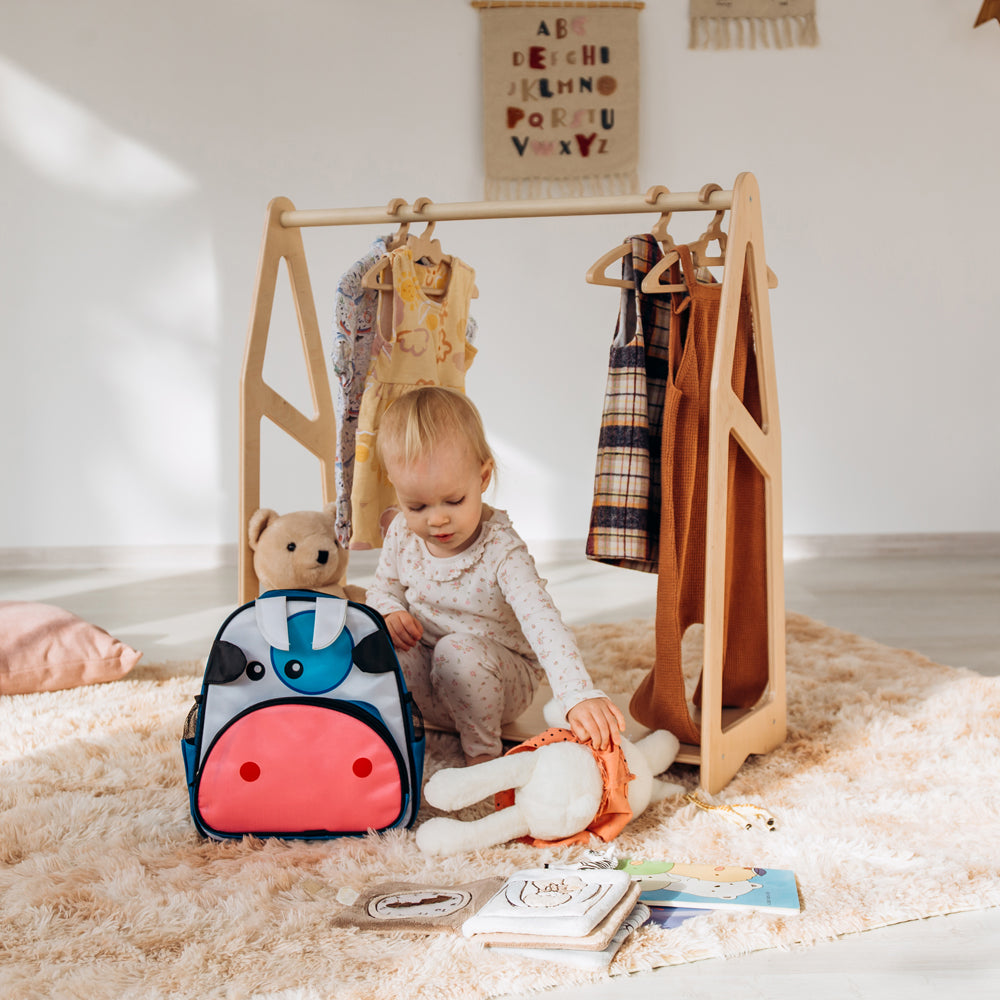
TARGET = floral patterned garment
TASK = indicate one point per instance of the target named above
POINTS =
(354, 328)
(421, 340)
(354, 318)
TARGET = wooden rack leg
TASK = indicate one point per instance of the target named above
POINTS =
(259, 400)
(725, 745)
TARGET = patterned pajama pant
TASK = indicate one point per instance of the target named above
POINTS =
(469, 684)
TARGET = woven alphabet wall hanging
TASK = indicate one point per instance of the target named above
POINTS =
(560, 98)
(738, 24)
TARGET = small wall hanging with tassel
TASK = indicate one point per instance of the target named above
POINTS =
(747, 24)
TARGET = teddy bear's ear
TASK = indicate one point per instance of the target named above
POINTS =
(259, 520)
(330, 509)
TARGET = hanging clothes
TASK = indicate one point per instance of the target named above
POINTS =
(660, 701)
(625, 516)
(355, 315)
(354, 331)
(421, 340)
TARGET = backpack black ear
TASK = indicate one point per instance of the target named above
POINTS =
(374, 654)
(226, 662)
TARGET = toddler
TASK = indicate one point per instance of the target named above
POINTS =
(473, 625)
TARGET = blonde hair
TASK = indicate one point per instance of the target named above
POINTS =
(426, 417)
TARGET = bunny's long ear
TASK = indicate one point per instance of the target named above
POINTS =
(660, 790)
(457, 787)
(443, 835)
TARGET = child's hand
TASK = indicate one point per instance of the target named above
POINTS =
(404, 629)
(598, 720)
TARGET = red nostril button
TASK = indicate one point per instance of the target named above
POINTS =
(250, 771)
(362, 767)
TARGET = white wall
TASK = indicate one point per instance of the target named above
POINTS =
(141, 143)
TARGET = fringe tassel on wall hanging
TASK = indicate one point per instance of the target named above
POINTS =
(502, 189)
(747, 24)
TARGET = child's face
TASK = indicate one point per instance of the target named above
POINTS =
(442, 497)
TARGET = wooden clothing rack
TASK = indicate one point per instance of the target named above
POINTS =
(728, 736)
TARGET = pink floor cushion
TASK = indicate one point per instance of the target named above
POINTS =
(45, 648)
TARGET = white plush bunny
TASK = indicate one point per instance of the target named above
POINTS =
(558, 792)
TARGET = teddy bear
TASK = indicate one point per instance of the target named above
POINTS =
(559, 792)
(300, 551)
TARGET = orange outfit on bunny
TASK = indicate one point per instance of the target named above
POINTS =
(614, 811)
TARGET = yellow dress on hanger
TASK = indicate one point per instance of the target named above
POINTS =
(421, 340)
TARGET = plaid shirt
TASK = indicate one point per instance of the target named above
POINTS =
(625, 517)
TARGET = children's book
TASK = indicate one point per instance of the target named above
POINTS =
(580, 959)
(714, 887)
(414, 907)
(598, 939)
(669, 917)
(553, 903)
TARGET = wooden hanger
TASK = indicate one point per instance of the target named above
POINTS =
(651, 283)
(670, 255)
(398, 238)
(713, 234)
(597, 273)
(659, 229)
(422, 246)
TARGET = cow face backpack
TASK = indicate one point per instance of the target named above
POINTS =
(304, 727)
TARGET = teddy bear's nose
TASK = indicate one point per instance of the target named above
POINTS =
(322, 557)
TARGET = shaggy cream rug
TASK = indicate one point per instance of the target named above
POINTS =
(885, 796)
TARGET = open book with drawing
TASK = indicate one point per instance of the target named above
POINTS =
(713, 887)
(552, 907)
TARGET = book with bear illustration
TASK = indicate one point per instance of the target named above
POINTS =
(713, 887)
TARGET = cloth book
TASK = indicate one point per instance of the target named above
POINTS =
(579, 958)
(415, 908)
(556, 905)
(597, 939)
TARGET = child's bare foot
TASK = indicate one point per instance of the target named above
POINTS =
(480, 759)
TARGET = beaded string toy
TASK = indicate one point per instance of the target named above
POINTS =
(744, 814)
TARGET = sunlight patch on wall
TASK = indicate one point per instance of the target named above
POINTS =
(69, 145)
(120, 253)
(526, 489)
(164, 473)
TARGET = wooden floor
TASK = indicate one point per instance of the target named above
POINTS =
(943, 603)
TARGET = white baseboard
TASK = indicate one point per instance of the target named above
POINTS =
(183, 557)
(546, 551)
(959, 544)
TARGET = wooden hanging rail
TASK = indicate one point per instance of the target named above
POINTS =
(727, 736)
(538, 208)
